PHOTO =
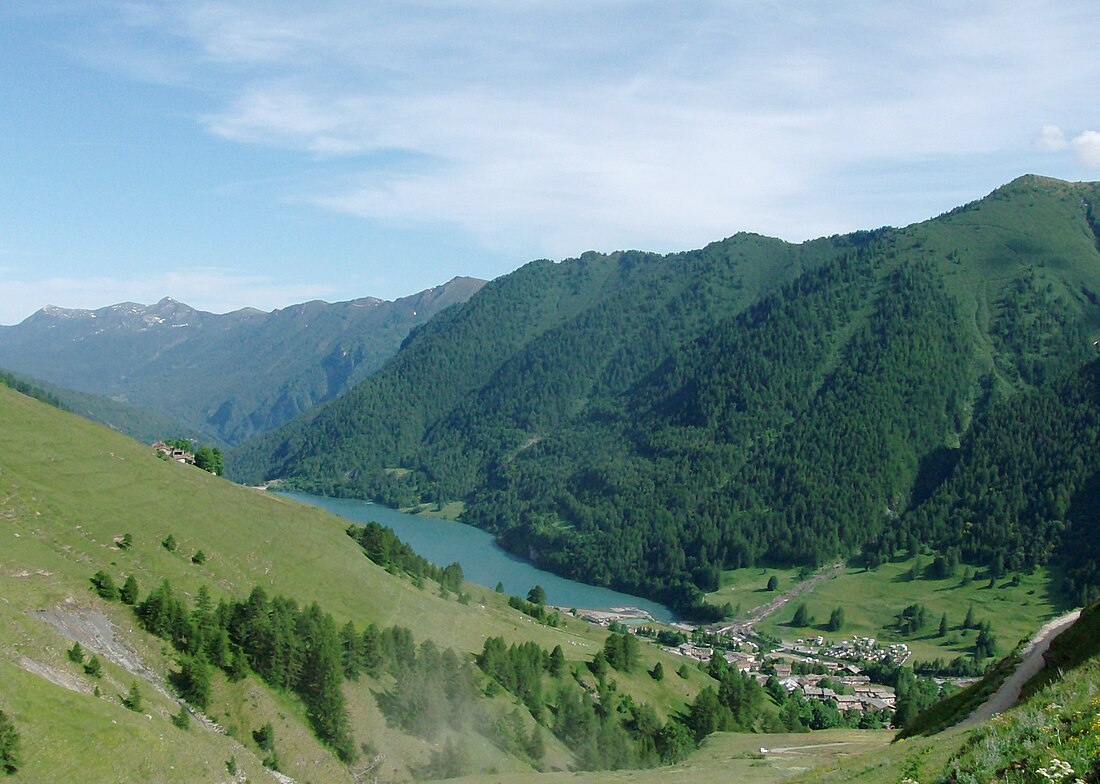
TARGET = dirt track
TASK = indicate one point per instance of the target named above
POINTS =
(1031, 663)
(757, 614)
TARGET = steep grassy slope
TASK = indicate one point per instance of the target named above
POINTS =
(145, 426)
(228, 376)
(70, 490)
(646, 422)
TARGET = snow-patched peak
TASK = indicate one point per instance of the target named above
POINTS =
(53, 311)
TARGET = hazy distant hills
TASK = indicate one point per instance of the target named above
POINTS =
(644, 421)
(229, 376)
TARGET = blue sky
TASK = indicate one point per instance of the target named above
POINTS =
(238, 153)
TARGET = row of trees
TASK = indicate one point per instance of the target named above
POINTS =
(386, 549)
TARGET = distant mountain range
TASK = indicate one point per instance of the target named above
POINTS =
(645, 421)
(228, 376)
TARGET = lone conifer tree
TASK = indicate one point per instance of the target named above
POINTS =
(133, 699)
(9, 745)
(801, 616)
(129, 592)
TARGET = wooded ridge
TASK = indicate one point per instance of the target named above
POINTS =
(643, 421)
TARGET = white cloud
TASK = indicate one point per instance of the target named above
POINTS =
(552, 128)
(1051, 138)
(217, 291)
(1087, 147)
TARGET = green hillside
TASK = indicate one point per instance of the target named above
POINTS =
(77, 499)
(145, 426)
(647, 422)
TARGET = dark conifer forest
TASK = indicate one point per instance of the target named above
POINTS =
(645, 421)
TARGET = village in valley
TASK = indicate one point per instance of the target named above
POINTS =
(816, 668)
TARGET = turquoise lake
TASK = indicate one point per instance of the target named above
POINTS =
(444, 542)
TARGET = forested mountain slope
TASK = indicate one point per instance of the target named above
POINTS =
(528, 352)
(643, 422)
(228, 376)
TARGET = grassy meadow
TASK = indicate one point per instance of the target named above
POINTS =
(71, 489)
(873, 599)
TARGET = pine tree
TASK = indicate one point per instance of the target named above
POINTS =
(129, 592)
(265, 737)
(836, 619)
(193, 681)
(658, 672)
(968, 622)
(104, 585)
(801, 616)
(94, 668)
(942, 632)
(9, 745)
(351, 652)
(557, 662)
(537, 595)
(321, 683)
(598, 665)
(182, 719)
(133, 699)
(536, 746)
(773, 583)
(169, 543)
(76, 654)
